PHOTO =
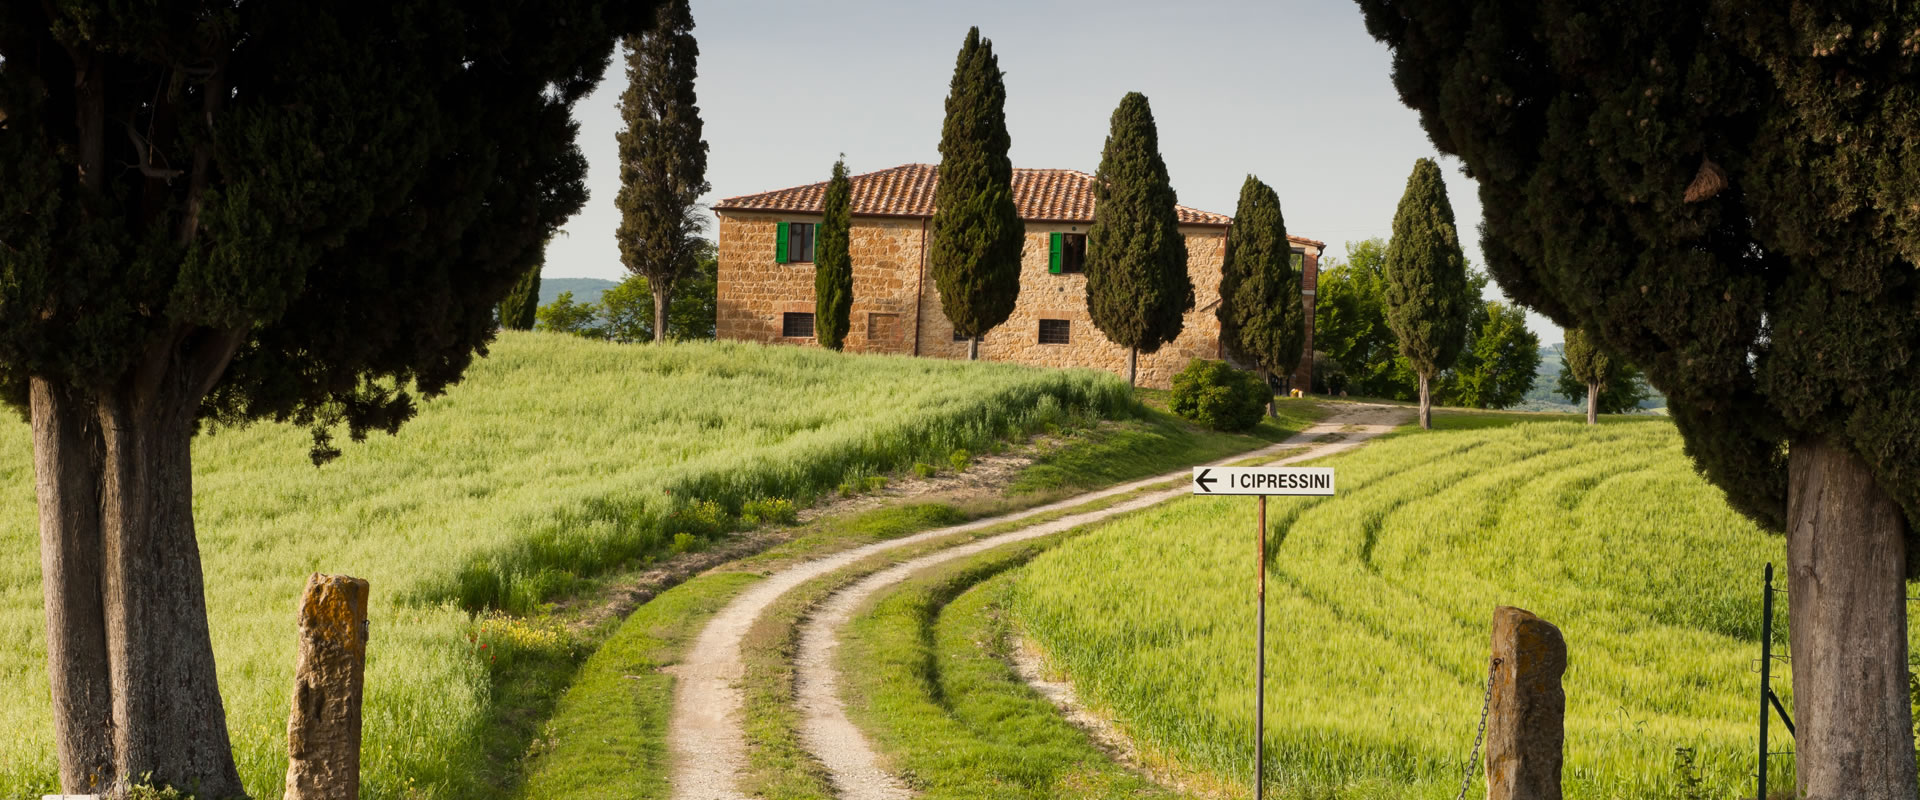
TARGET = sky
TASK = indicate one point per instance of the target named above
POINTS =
(1292, 91)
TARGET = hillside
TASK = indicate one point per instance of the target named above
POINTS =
(1379, 603)
(585, 290)
(555, 460)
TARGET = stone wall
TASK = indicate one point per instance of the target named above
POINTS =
(888, 266)
(755, 291)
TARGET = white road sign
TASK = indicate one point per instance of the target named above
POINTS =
(1263, 480)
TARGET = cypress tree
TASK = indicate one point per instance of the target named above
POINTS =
(977, 233)
(833, 263)
(298, 212)
(1427, 290)
(1588, 364)
(518, 311)
(1262, 315)
(663, 160)
(1724, 194)
(1138, 288)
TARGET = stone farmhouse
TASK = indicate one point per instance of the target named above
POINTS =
(766, 245)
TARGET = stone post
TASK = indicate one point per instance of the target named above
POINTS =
(323, 730)
(1526, 716)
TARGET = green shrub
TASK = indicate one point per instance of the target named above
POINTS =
(778, 510)
(1213, 394)
(960, 459)
(923, 469)
(704, 519)
(685, 543)
(874, 483)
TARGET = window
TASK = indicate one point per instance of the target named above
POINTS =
(1054, 331)
(1299, 259)
(1066, 253)
(793, 242)
(797, 325)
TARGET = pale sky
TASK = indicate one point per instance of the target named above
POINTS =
(1294, 92)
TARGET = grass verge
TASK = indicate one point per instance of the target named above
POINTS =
(936, 693)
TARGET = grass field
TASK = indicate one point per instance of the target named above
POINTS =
(1379, 606)
(556, 460)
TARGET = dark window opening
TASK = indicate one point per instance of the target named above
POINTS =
(800, 242)
(1073, 252)
(797, 325)
(1299, 259)
(1055, 331)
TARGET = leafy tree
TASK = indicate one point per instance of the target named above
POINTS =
(1586, 365)
(523, 301)
(1262, 317)
(1605, 385)
(240, 211)
(1428, 298)
(1138, 289)
(693, 312)
(1499, 361)
(624, 313)
(663, 160)
(977, 233)
(1350, 325)
(563, 315)
(1725, 195)
(833, 263)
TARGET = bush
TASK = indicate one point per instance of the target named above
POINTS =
(923, 469)
(777, 510)
(1218, 396)
(960, 459)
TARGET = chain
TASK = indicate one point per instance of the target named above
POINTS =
(1473, 758)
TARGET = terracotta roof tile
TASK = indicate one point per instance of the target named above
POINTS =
(1052, 195)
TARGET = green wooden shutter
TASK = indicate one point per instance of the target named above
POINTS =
(780, 243)
(1053, 253)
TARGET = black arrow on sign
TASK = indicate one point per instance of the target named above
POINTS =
(1204, 481)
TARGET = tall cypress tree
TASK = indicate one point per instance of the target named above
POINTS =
(1725, 194)
(1262, 315)
(977, 233)
(1138, 288)
(1588, 364)
(298, 212)
(663, 160)
(518, 311)
(833, 263)
(1427, 290)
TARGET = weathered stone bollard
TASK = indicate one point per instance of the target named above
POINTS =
(323, 731)
(1526, 715)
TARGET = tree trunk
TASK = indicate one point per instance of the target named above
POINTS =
(973, 348)
(1593, 403)
(66, 466)
(1426, 404)
(1847, 612)
(1266, 379)
(167, 714)
(1133, 366)
(662, 297)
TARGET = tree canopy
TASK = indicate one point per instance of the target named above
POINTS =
(1428, 298)
(833, 263)
(1499, 362)
(1138, 289)
(1262, 315)
(977, 233)
(663, 159)
(518, 310)
(289, 211)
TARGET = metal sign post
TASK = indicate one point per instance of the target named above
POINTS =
(1260, 482)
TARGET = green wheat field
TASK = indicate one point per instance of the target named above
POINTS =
(556, 459)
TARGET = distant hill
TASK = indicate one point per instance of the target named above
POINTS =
(585, 290)
(1542, 398)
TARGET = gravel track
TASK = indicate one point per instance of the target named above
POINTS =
(704, 734)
